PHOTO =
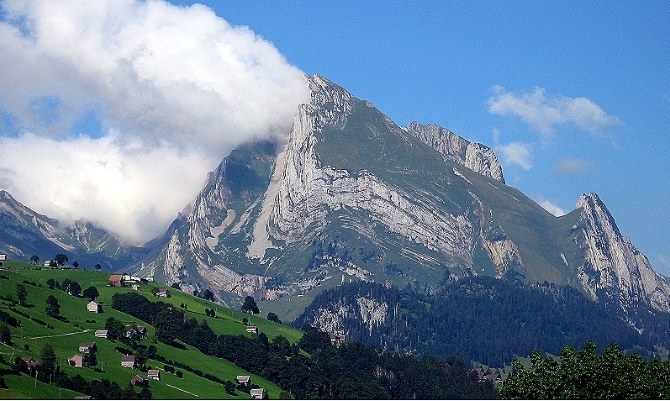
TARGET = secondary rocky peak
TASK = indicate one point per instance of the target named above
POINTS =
(594, 210)
(613, 266)
(475, 156)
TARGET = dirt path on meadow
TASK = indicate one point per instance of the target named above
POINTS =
(59, 335)
(181, 389)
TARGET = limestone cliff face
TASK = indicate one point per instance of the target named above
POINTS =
(191, 257)
(475, 156)
(309, 190)
(502, 251)
(370, 312)
(613, 266)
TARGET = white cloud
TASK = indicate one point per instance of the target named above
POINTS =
(132, 191)
(572, 166)
(551, 207)
(543, 112)
(176, 89)
(518, 153)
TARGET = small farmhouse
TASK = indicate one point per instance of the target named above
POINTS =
(94, 307)
(86, 347)
(32, 363)
(128, 279)
(138, 332)
(115, 280)
(128, 361)
(76, 361)
(101, 333)
(154, 374)
(252, 329)
(142, 331)
(138, 380)
(243, 380)
(483, 376)
(3, 257)
(163, 294)
(258, 393)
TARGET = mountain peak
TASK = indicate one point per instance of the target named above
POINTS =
(329, 101)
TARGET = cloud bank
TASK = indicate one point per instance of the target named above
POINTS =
(543, 112)
(171, 91)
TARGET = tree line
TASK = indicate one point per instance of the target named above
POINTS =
(486, 320)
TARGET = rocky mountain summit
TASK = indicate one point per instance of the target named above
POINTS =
(353, 196)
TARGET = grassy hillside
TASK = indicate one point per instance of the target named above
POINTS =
(77, 325)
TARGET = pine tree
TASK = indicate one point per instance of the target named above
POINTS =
(49, 362)
(53, 307)
(21, 294)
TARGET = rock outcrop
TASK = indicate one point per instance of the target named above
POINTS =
(475, 156)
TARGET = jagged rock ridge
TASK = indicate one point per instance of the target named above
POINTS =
(475, 156)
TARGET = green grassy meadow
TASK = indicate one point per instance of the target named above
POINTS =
(78, 325)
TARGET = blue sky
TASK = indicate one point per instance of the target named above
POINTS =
(438, 62)
(574, 96)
